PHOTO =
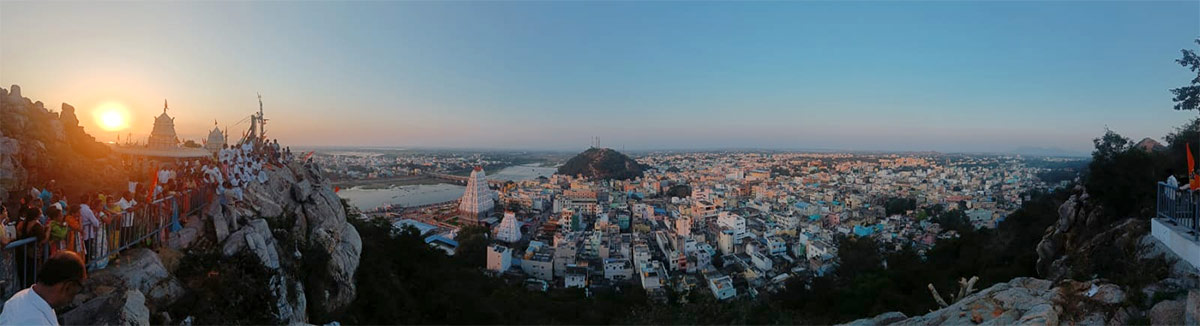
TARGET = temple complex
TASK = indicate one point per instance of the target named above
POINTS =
(163, 134)
(478, 200)
(216, 140)
(163, 143)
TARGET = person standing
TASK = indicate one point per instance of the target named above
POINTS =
(47, 196)
(59, 281)
(90, 226)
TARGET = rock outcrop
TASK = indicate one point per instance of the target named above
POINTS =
(38, 145)
(139, 269)
(1025, 301)
(294, 221)
(126, 307)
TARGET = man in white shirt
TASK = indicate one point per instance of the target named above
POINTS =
(58, 282)
(91, 225)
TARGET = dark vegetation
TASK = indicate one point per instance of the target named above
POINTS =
(681, 191)
(899, 205)
(602, 163)
(224, 291)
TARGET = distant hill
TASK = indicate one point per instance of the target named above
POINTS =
(602, 163)
(1150, 145)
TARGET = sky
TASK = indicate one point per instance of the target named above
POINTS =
(933, 75)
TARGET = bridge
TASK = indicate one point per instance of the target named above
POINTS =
(462, 179)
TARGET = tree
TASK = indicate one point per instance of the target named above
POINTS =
(1188, 97)
(1109, 145)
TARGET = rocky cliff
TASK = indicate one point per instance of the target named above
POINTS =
(286, 254)
(38, 145)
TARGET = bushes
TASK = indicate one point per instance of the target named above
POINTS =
(225, 291)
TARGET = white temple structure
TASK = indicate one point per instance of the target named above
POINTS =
(163, 134)
(216, 140)
(509, 229)
(478, 199)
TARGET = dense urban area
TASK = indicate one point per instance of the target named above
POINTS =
(724, 223)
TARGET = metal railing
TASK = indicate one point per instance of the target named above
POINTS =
(1180, 207)
(142, 225)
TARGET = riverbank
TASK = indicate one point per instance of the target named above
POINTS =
(381, 183)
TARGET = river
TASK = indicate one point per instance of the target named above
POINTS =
(415, 195)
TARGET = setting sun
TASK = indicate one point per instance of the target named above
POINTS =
(112, 116)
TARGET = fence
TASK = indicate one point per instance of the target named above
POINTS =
(1181, 207)
(142, 225)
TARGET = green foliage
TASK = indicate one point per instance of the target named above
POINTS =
(1188, 97)
(1122, 178)
(472, 246)
(899, 205)
(682, 191)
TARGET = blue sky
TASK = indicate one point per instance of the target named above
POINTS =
(938, 75)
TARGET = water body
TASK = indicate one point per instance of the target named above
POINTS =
(416, 195)
(413, 195)
(523, 172)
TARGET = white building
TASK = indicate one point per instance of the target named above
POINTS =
(733, 222)
(477, 198)
(722, 287)
(653, 276)
(509, 229)
(618, 269)
(163, 134)
(499, 258)
(539, 263)
(576, 277)
(725, 242)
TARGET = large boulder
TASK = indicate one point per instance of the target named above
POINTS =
(139, 269)
(886, 318)
(1027, 301)
(1023, 301)
(127, 307)
(1169, 312)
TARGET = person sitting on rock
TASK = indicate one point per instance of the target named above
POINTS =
(60, 279)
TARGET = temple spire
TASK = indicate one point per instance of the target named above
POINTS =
(164, 105)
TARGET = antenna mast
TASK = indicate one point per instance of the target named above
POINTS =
(261, 121)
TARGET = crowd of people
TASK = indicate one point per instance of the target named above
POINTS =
(96, 224)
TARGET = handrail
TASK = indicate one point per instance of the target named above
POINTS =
(1179, 207)
(126, 230)
(18, 243)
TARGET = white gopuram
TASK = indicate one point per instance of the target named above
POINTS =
(509, 229)
(478, 199)
(163, 134)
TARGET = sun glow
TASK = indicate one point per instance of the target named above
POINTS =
(112, 116)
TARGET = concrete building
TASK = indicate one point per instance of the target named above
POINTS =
(721, 287)
(575, 277)
(618, 269)
(499, 258)
(539, 263)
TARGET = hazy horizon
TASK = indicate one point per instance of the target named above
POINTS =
(857, 76)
